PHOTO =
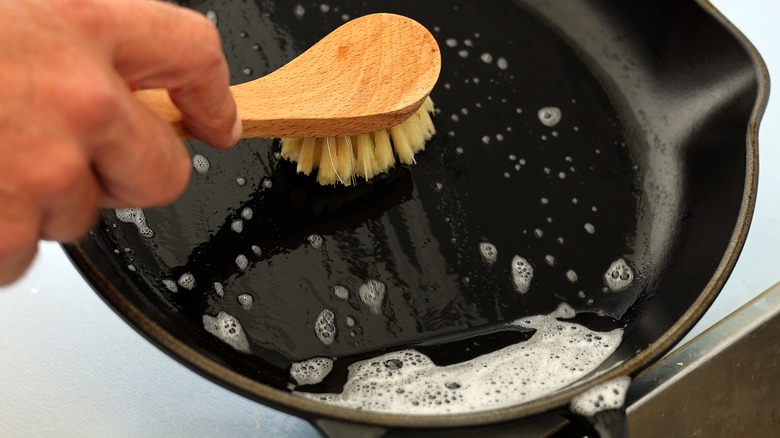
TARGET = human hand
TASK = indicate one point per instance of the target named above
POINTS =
(73, 138)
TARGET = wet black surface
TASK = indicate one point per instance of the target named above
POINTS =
(493, 173)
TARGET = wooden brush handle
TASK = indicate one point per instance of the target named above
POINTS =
(370, 74)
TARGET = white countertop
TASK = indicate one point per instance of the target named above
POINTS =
(70, 367)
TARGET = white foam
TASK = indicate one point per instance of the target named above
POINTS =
(237, 225)
(522, 274)
(242, 262)
(135, 216)
(219, 289)
(341, 292)
(312, 371)
(170, 285)
(187, 281)
(228, 329)
(241, 181)
(316, 241)
(619, 276)
(549, 116)
(325, 326)
(257, 250)
(247, 213)
(201, 164)
(246, 301)
(407, 382)
(488, 252)
(212, 17)
(372, 294)
(609, 395)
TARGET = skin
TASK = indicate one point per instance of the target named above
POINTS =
(73, 139)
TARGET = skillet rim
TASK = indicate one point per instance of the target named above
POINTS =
(313, 410)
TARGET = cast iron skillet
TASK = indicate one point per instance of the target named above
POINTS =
(654, 161)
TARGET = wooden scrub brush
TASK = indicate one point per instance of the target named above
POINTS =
(347, 106)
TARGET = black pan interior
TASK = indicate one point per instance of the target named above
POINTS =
(613, 179)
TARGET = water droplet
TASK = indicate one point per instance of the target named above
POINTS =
(187, 281)
(247, 213)
(522, 274)
(589, 228)
(246, 301)
(201, 164)
(487, 58)
(242, 262)
(299, 11)
(212, 17)
(488, 252)
(619, 276)
(341, 292)
(372, 294)
(549, 116)
(325, 327)
(451, 42)
(316, 241)
(237, 225)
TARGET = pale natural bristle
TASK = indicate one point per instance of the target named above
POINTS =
(343, 159)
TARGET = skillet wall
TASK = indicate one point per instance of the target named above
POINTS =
(686, 89)
(685, 111)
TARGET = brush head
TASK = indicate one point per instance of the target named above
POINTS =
(342, 160)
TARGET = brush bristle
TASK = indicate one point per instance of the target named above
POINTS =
(343, 159)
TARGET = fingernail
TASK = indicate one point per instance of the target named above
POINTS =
(238, 129)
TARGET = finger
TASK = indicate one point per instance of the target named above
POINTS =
(142, 164)
(19, 239)
(190, 64)
(73, 212)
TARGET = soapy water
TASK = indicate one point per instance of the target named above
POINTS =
(227, 329)
(325, 327)
(341, 292)
(522, 274)
(242, 262)
(488, 252)
(187, 281)
(312, 371)
(372, 294)
(245, 300)
(237, 226)
(219, 289)
(550, 116)
(170, 285)
(316, 241)
(408, 382)
(135, 216)
(609, 395)
(201, 164)
(619, 276)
